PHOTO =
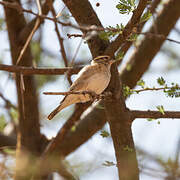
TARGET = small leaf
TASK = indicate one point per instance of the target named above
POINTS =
(9, 151)
(99, 106)
(127, 148)
(126, 6)
(104, 36)
(73, 128)
(108, 163)
(150, 119)
(145, 17)
(160, 109)
(141, 83)
(2, 122)
(128, 67)
(104, 134)
(161, 81)
(133, 37)
(120, 55)
(127, 91)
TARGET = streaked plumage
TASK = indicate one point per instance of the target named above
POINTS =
(94, 77)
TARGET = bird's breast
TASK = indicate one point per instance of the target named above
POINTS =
(98, 82)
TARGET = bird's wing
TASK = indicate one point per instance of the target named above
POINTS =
(81, 82)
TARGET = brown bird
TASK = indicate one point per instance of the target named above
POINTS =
(94, 78)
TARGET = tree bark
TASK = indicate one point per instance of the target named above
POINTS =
(30, 141)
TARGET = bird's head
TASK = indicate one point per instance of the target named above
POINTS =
(103, 60)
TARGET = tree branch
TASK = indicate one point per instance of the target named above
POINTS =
(149, 46)
(114, 46)
(38, 71)
(96, 118)
(7, 141)
(154, 114)
(84, 14)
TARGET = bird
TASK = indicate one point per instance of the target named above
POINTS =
(93, 78)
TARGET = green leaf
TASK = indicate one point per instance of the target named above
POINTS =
(141, 83)
(160, 109)
(146, 16)
(99, 106)
(9, 151)
(120, 55)
(127, 148)
(73, 128)
(174, 91)
(133, 37)
(127, 91)
(126, 6)
(104, 36)
(2, 122)
(108, 163)
(104, 134)
(150, 119)
(161, 81)
(128, 67)
(14, 114)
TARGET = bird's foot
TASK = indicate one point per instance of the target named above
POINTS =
(93, 96)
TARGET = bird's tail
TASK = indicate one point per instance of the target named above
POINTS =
(54, 112)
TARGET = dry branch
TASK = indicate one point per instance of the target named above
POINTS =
(155, 114)
(38, 71)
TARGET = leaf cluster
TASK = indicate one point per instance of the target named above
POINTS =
(173, 91)
(126, 6)
(111, 32)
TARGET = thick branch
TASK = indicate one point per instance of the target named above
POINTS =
(38, 71)
(119, 120)
(95, 120)
(7, 141)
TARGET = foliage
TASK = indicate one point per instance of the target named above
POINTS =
(170, 91)
(126, 6)
(141, 83)
(127, 148)
(145, 17)
(108, 163)
(104, 134)
(111, 32)
(2, 122)
(160, 109)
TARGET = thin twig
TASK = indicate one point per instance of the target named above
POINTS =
(32, 32)
(61, 44)
(158, 36)
(60, 39)
(91, 93)
(154, 114)
(152, 89)
(74, 35)
(84, 28)
(7, 102)
(60, 12)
